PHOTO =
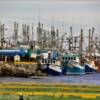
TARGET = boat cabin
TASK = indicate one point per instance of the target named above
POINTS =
(70, 57)
(47, 61)
(50, 62)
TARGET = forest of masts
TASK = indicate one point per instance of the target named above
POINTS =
(51, 40)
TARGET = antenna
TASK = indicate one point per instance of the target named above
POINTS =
(52, 20)
(32, 31)
(39, 16)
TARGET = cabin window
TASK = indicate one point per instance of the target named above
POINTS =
(63, 58)
(42, 61)
(45, 61)
(48, 61)
(71, 58)
(74, 58)
(68, 58)
(17, 65)
(53, 61)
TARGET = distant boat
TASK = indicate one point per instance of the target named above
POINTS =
(50, 63)
(90, 67)
(55, 68)
(71, 65)
(44, 61)
(43, 65)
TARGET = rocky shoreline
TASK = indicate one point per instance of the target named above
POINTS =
(9, 69)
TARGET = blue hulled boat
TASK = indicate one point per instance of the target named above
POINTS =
(71, 65)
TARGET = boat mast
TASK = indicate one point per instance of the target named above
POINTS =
(92, 39)
(32, 35)
(57, 39)
(70, 40)
(53, 35)
(15, 33)
(2, 28)
(89, 43)
(91, 34)
(75, 42)
(92, 42)
(81, 46)
(25, 33)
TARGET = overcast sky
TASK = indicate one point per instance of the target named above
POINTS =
(62, 13)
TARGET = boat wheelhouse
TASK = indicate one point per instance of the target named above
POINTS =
(70, 64)
(50, 63)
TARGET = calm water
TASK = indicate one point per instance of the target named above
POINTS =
(69, 79)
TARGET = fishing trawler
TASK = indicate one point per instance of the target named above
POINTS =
(44, 61)
(90, 66)
(55, 65)
(50, 63)
(70, 63)
(55, 68)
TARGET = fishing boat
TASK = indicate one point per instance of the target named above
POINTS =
(71, 64)
(55, 64)
(43, 65)
(90, 66)
(97, 60)
(50, 63)
(43, 61)
(54, 68)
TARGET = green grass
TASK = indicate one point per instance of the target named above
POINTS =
(11, 97)
(45, 90)
(50, 88)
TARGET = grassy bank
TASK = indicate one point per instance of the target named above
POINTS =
(47, 91)
(9, 97)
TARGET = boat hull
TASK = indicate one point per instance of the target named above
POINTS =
(54, 70)
(90, 69)
(73, 70)
(44, 68)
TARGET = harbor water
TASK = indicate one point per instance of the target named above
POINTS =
(87, 79)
